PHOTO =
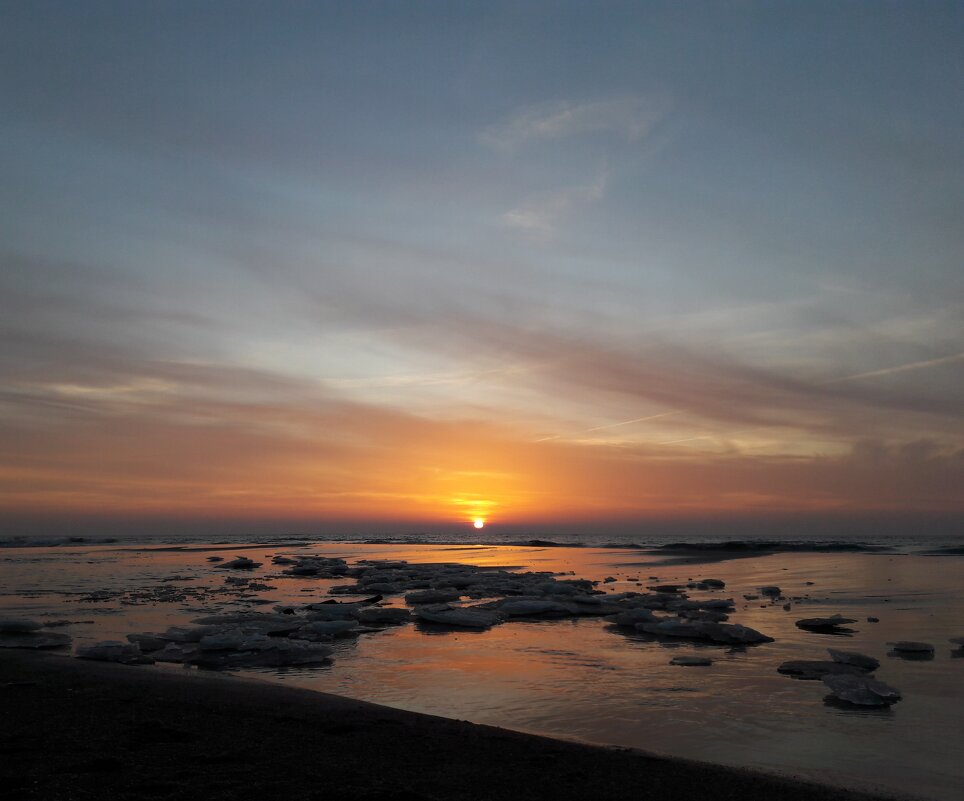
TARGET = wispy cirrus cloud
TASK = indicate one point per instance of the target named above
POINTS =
(540, 212)
(627, 117)
(631, 117)
(719, 390)
(208, 440)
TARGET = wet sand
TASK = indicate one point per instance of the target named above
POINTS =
(77, 730)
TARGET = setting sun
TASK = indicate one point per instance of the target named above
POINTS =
(478, 522)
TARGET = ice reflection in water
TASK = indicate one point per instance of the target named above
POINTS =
(580, 679)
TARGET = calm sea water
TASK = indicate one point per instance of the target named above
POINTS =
(897, 537)
(581, 679)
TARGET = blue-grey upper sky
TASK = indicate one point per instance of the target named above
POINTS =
(647, 256)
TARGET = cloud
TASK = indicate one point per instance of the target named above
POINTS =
(148, 438)
(451, 347)
(716, 389)
(631, 117)
(628, 117)
(318, 460)
(540, 212)
(95, 418)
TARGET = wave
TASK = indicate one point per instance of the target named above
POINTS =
(772, 546)
(947, 550)
(54, 542)
(688, 549)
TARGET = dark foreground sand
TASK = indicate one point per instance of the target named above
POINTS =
(75, 730)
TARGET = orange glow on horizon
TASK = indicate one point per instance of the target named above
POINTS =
(371, 465)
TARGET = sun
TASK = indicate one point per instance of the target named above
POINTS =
(478, 522)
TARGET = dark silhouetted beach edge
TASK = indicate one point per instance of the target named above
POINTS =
(87, 730)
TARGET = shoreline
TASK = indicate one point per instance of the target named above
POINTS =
(76, 729)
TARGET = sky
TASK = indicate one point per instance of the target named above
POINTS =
(378, 266)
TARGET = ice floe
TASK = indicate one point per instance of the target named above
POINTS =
(826, 625)
(533, 607)
(811, 669)
(459, 617)
(432, 597)
(324, 630)
(908, 646)
(435, 595)
(127, 653)
(334, 611)
(853, 658)
(18, 625)
(861, 690)
(727, 633)
(240, 563)
(18, 632)
(34, 639)
(630, 617)
(908, 649)
(383, 616)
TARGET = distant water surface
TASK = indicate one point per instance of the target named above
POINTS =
(900, 539)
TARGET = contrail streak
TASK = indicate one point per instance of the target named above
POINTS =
(900, 368)
(616, 425)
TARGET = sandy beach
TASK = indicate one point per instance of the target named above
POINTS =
(75, 730)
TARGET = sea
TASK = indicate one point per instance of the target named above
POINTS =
(582, 678)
